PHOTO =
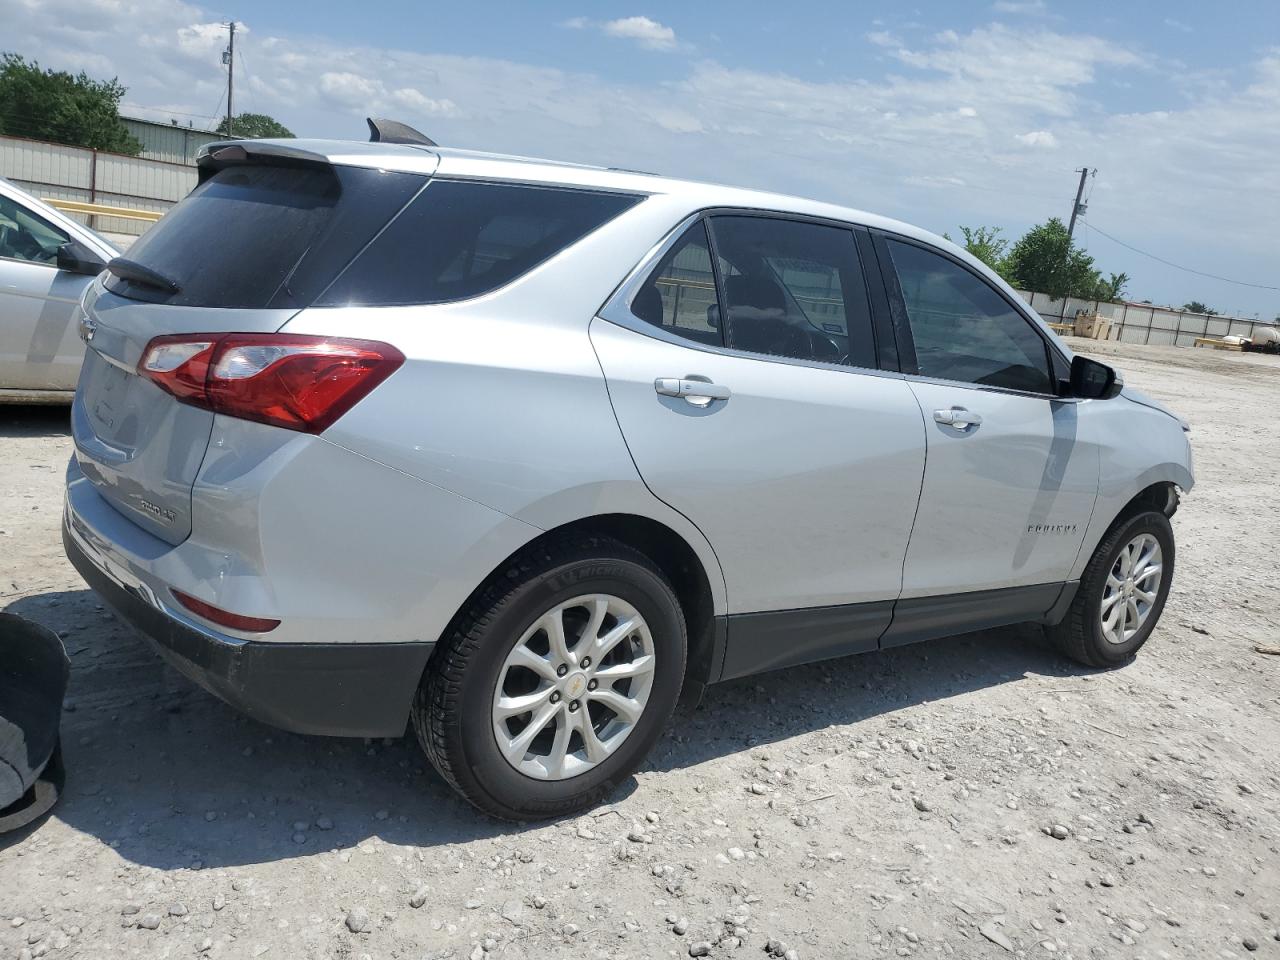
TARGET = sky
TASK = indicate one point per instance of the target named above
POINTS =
(939, 113)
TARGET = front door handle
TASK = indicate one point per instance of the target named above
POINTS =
(698, 392)
(957, 417)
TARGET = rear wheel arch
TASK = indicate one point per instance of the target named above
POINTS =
(671, 553)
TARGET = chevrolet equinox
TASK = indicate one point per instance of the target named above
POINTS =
(379, 434)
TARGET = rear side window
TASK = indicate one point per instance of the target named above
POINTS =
(461, 239)
(257, 235)
(680, 295)
(793, 289)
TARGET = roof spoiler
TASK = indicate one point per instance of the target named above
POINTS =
(382, 130)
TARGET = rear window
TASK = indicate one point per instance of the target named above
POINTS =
(461, 239)
(257, 235)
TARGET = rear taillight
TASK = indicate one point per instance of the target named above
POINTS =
(288, 380)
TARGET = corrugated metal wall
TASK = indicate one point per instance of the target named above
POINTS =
(1143, 322)
(168, 142)
(74, 173)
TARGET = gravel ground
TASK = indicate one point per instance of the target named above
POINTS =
(972, 797)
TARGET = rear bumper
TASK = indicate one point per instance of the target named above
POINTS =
(332, 689)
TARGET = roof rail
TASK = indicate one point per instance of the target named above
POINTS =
(382, 130)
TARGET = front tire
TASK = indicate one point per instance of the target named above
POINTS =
(555, 682)
(1122, 593)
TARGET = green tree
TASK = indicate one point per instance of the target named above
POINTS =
(1113, 287)
(54, 105)
(1047, 260)
(986, 244)
(253, 126)
(1195, 306)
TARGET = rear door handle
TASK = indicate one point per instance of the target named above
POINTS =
(698, 392)
(957, 417)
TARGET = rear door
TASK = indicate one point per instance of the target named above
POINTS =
(253, 243)
(39, 349)
(1009, 482)
(745, 389)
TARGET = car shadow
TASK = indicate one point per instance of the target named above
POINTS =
(777, 706)
(35, 420)
(170, 777)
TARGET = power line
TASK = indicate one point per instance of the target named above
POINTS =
(244, 74)
(1177, 266)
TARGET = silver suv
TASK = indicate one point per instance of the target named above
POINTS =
(516, 450)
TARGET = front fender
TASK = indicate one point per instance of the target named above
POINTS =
(1140, 447)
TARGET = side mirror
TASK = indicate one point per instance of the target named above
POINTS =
(1091, 380)
(75, 257)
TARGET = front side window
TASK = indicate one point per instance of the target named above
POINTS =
(793, 289)
(24, 236)
(963, 329)
(680, 294)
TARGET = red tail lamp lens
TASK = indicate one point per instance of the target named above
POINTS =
(294, 381)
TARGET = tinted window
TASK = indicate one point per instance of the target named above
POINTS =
(680, 294)
(24, 236)
(793, 290)
(963, 329)
(265, 236)
(459, 240)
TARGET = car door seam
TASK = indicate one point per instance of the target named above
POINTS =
(639, 473)
(924, 470)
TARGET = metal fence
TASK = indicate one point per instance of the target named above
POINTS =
(1144, 322)
(76, 173)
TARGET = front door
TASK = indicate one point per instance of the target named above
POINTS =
(1009, 482)
(745, 399)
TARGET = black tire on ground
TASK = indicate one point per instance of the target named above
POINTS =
(452, 712)
(1079, 635)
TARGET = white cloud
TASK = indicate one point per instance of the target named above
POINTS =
(349, 89)
(200, 39)
(677, 121)
(1019, 6)
(417, 100)
(646, 32)
(1037, 138)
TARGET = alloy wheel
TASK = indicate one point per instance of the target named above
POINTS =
(1132, 586)
(573, 687)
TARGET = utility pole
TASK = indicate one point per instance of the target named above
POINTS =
(229, 58)
(1075, 209)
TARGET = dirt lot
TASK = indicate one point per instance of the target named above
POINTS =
(895, 804)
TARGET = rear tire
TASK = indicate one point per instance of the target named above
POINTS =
(500, 653)
(1116, 607)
